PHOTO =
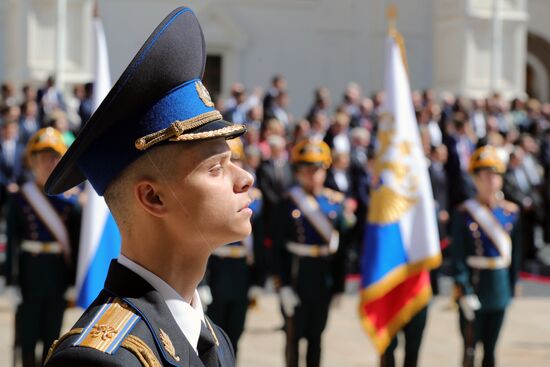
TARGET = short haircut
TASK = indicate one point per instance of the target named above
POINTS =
(157, 162)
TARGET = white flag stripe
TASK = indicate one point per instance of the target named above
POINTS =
(102, 83)
(94, 217)
(95, 212)
(418, 225)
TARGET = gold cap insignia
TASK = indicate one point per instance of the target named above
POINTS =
(168, 346)
(203, 94)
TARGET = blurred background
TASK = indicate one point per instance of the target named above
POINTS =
(479, 71)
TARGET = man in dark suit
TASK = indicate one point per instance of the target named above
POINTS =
(11, 160)
(438, 179)
(338, 176)
(49, 98)
(545, 161)
(278, 85)
(518, 189)
(274, 178)
(175, 195)
(459, 148)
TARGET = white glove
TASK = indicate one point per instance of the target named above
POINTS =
(13, 294)
(336, 300)
(254, 292)
(205, 294)
(289, 300)
(469, 304)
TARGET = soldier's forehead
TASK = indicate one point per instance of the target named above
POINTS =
(203, 150)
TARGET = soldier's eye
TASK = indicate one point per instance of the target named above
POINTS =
(215, 170)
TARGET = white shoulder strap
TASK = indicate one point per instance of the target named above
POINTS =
(48, 215)
(315, 216)
(491, 227)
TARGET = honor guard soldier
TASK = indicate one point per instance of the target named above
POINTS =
(231, 268)
(485, 251)
(42, 241)
(311, 263)
(156, 150)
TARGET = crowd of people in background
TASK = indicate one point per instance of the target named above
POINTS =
(450, 128)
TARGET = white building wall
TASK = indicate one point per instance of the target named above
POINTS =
(465, 55)
(539, 10)
(312, 42)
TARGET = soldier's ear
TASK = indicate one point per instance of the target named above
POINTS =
(149, 198)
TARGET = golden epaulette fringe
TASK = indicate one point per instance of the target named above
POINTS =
(141, 351)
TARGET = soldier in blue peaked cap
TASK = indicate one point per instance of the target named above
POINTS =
(156, 150)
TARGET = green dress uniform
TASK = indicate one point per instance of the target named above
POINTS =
(39, 263)
(312, 264)
(230, 293)
(486, 256)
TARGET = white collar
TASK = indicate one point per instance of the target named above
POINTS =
(188, 316)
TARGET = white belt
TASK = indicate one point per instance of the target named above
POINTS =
(236, 252)
(38, 247)
(480, 262)
(302, 249)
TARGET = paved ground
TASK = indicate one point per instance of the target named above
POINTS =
(525, 340)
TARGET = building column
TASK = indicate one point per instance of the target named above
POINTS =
(480, 47)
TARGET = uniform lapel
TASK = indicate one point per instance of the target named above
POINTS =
(171, 343)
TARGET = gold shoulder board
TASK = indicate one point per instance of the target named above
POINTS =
(109, 327)
(334, 196)
(510, 207)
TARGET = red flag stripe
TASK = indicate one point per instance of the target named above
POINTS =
(382, 310)
(383, 317)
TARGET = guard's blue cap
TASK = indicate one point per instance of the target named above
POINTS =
(158, 98)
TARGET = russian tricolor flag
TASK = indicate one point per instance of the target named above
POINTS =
(401, 240)
(99, 238)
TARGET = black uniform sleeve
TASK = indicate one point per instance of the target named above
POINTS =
(15, 232)
(282, 261)
(86, 357)
(339, 258)
(73, 227)
(516, 255)
(258, 273)
(460, 269)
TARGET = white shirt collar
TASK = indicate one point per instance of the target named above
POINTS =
(188, 316)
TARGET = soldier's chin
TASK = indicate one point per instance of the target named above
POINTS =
(243, 231)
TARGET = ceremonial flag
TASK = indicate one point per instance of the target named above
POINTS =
(401, 240)
(99, 237)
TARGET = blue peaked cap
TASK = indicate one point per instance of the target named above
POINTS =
(157, 99)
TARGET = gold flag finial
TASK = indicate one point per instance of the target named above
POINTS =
(392, 16)
(392, 32)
